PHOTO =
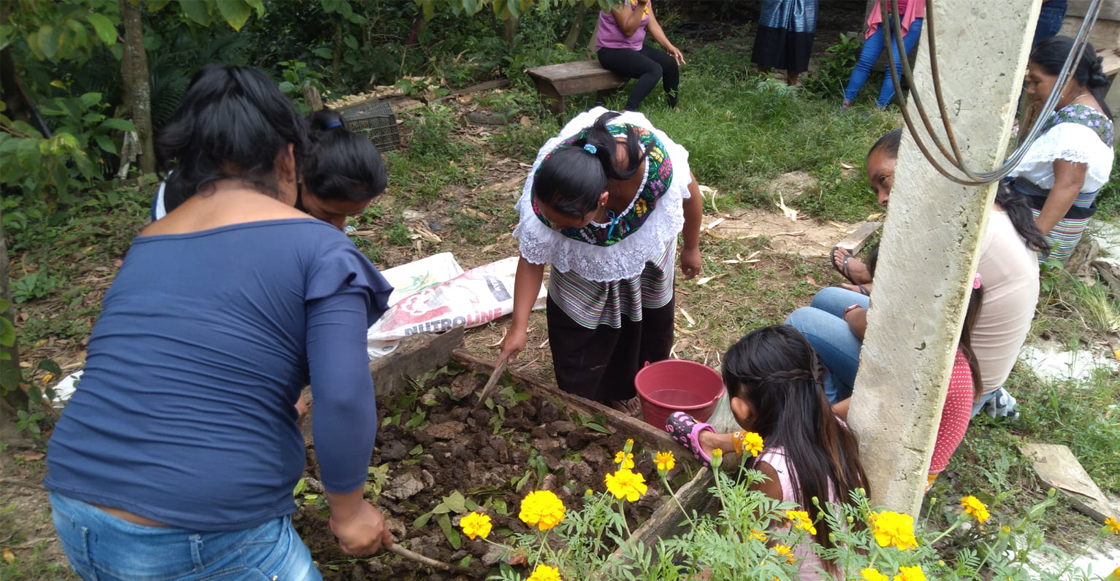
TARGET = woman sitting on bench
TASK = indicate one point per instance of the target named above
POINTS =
(620, 37)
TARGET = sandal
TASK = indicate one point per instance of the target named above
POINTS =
(842, 268)
(686, 431)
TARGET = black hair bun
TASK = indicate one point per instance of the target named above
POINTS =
(1096, 75)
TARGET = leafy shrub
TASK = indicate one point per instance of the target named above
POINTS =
(833, 75)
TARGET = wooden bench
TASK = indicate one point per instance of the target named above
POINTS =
(1110, 62)
(558, 81)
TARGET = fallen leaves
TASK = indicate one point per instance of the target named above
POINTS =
(786, 210)
(9, 556)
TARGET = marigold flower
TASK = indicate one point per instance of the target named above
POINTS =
(974, 507)
(758, 535)
(717, 458)
(544, 573)
(801, 520)
(1113, 525)
(665, 461)
(47, 378)
(626, 484)
(625, 460)
(752, 443)
(871, 574)
(475, 525)
(784, 551)
(910, 574)
(1115, 576)
(542, 509)
(894, 529)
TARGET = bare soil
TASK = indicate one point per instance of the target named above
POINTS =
(483, 457)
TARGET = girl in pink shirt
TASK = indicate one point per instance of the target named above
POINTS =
(773, 379)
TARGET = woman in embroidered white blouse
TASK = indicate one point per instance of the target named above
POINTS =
(604, 204)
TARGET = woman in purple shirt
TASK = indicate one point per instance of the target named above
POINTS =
(621, 34)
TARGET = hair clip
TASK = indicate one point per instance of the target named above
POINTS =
(590, 148)
(334, 124)
(976, 282)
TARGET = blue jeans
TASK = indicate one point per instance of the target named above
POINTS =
(1050, 20)
(869, 55)
(102, 547)
(823, 324)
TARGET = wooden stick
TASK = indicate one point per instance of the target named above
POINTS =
(494, 377)
(414, 556)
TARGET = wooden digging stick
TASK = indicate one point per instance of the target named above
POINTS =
(414, 556)
(494, 377)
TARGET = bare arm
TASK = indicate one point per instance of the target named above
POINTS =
(526, 287)
(840, 408)
(658, 34)
(691, 263)
(1069, 178)
(629, 18)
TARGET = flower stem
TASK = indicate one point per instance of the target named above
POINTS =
(1084, 550)
(673, 494)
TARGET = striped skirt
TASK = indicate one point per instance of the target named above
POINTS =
(602, 333)
(1066, 234)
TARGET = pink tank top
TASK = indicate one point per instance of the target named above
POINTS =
(611, 36)
(809, 564)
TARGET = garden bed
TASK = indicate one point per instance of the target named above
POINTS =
(437, 458)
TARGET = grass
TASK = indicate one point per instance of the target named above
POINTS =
(741, 131)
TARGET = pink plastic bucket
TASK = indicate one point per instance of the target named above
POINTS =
(675, 385)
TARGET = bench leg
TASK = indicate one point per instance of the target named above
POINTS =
(553, 99)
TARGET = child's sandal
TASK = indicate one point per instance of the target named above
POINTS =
(686, 431)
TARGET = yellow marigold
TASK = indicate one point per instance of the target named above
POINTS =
(892, 529)
(910, 574)
(752, 443)
(47, 378)
(758, 535)
(626, 484)
(801, 520)
(1113, 525)
(475, 525)
(624, 459)
(665, 461)
(542, 509)
(1115, 576)
(544, 573)
(870, 574)
(974, 507)
(784, 551)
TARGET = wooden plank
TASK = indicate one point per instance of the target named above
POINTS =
(415, 355)
(854, 241)
(1056, 466)
(1110, 62)
(568, 70)
(1110, 9)
(652, 436)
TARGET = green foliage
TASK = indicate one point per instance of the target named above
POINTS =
(833, 75)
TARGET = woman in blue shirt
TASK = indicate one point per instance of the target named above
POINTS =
(177, 457)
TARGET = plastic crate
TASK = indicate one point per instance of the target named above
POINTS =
(377, 120)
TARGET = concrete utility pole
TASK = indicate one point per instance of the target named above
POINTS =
(930, 245)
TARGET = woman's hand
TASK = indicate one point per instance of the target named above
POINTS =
(513, 343)
(691, 262)
(676, 54)
(359, 526)
(856, 316)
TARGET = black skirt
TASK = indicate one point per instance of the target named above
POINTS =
(601, 363)
(779, 48)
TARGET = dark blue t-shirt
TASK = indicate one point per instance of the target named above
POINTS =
(185, 412)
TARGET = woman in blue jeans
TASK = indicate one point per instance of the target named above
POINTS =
(833, 324)
(875, 39)
(177, 456)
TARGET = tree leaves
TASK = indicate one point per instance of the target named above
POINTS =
(106, 32)
(235, 12)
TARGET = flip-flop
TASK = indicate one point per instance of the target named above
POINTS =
(843, 268)
(631, 407)
(686, 431)
(862, 289)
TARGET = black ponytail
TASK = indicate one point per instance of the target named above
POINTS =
(1051, 54)
(777, 371)
(971, 316)
(344, 165)
(572, 178)
(231, 123)
(1019, 212)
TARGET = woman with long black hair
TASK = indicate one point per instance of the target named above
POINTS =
(177, 457)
